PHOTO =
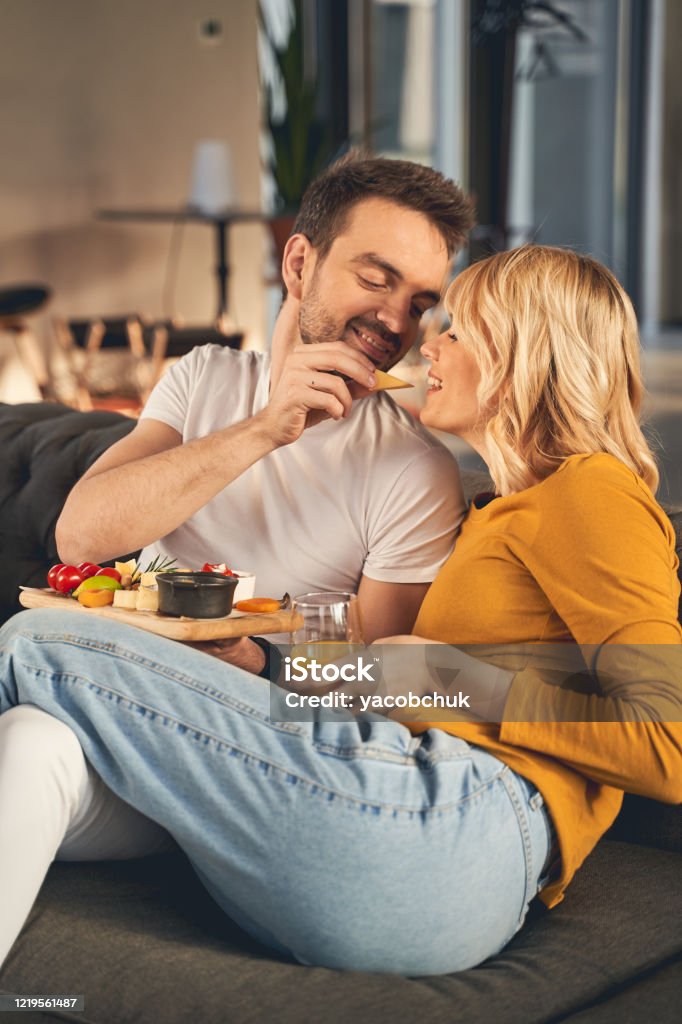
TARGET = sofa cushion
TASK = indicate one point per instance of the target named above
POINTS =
(144, 943)
(45, 448)
(649, 823)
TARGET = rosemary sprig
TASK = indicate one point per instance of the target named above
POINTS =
(159, 564)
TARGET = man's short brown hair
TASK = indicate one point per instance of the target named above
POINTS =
(328, 200)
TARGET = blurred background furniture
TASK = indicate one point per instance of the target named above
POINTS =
(145, 943)
(167, 339)
(107, 359)
(17, 302)
(116, 361)
(221, 223)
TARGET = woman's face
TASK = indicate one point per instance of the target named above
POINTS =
(451, 402)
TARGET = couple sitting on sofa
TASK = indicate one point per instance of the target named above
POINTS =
(331, 841)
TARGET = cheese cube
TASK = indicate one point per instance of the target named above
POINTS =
(147, 599)
(126, 568)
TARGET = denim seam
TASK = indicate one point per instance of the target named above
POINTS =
(382, 754)
(164, 718)
(233, 749)
(524, 829)
(316, 788)
(371, 753)
(116, 651)
(120, 653)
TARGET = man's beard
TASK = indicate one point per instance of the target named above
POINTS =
(316, 324)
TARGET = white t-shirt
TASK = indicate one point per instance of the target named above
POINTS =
(373, 494)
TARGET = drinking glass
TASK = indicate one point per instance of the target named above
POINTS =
(331, 626)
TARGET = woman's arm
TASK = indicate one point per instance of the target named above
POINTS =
(638, 757)
(627, 735)
(604, 555)
(482, 684)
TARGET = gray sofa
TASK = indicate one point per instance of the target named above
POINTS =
(143, 942)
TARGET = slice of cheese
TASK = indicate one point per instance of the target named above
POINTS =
(147, 599)
(385, 382)
(126, 568)
(125, 599)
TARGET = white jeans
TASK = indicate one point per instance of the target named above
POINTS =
(54, 806)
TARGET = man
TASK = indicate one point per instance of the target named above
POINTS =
(230, 461)
(288, 467)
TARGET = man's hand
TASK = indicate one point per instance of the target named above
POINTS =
(311, 388)
(240, 652)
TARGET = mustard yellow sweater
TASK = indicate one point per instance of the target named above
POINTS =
(586, 555)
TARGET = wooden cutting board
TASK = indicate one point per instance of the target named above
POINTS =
(233, 625)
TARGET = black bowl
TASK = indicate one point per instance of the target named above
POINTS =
(198, 595)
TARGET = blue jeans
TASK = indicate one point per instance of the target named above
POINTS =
(348, 844)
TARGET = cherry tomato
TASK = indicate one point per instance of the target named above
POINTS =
(218, 567)
(52, 574)
(68, 578)
(109, 571)
(88, 569)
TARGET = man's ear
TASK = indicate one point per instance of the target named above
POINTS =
(297, 262)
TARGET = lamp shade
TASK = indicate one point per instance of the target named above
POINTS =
(212, 189)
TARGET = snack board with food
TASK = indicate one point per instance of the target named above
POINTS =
(128, 587)
(182, 629)
(95, 586)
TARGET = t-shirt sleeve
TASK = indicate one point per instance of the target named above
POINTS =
(414, 530)
(604, 556)
(169, 400)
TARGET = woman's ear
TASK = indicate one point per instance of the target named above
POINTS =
(298, 255)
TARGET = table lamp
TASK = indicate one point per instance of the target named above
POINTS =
(212, 189)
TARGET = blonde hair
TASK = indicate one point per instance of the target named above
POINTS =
(556, 342)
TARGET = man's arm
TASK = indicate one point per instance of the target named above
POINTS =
(149, 483)
(388, 609)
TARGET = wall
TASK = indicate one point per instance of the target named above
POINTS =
(103, 103)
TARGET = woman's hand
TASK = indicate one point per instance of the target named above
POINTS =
(483, 687)
(405, 638)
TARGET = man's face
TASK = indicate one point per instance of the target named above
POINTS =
(378, 279)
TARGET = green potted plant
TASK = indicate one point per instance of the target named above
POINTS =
(299, 140)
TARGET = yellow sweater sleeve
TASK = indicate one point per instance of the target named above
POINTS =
(641, 757)
(604, 555)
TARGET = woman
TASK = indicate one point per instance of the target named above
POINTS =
(362, 843)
